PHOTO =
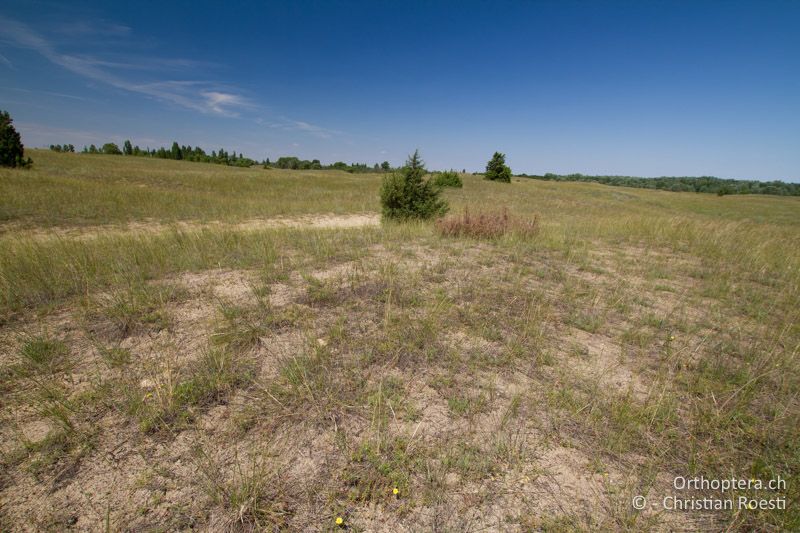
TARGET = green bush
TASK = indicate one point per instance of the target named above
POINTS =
(448, 178)
(496, 169)
(405, 194)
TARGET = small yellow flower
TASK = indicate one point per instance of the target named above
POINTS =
(339, 520)
(672, 337)
(395, 491)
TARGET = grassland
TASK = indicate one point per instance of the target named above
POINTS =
(172, 360)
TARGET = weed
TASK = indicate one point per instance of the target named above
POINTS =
(375, 470)
(486, 225)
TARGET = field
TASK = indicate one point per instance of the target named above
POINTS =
(192, 346)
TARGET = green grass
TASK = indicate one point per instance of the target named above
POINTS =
(44, 354)
(82, 189)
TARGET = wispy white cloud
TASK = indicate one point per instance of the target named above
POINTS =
(203, 96)
(145, 63)
(299, 125)
(139, 75)
(49, 93)
(103, 28)
(219, 102)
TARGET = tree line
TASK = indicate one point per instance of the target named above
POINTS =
(705, 184)
(221, 156)
(176, 152)
(294, 163)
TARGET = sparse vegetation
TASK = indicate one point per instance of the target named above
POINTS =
(574, 343)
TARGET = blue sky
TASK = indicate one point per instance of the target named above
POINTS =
(634, 88)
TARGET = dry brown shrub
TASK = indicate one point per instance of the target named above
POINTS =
(486, 225)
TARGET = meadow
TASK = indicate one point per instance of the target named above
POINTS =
(186, 345)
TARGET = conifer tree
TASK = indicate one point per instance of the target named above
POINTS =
(11, 149)
(175, 152)
(496, 169)
(406, 194)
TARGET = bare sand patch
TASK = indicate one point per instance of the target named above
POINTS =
(600, 361)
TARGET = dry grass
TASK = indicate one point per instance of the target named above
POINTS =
(486, 225)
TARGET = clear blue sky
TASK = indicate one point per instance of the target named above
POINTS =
(637, 88)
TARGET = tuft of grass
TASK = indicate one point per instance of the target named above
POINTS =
(376, 468)
(254, 496)
(42, 354)
(137, 307)
(70, 419)
(173, 397)
(115, 356)
(322, 292)
(314, 385)
(242, 327)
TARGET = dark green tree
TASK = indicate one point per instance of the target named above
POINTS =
(289, 162)
(405, 194)
(127, 147)
(111, 149)
(497, 170)
(175, 151)
(11, 150)
(385, 166)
